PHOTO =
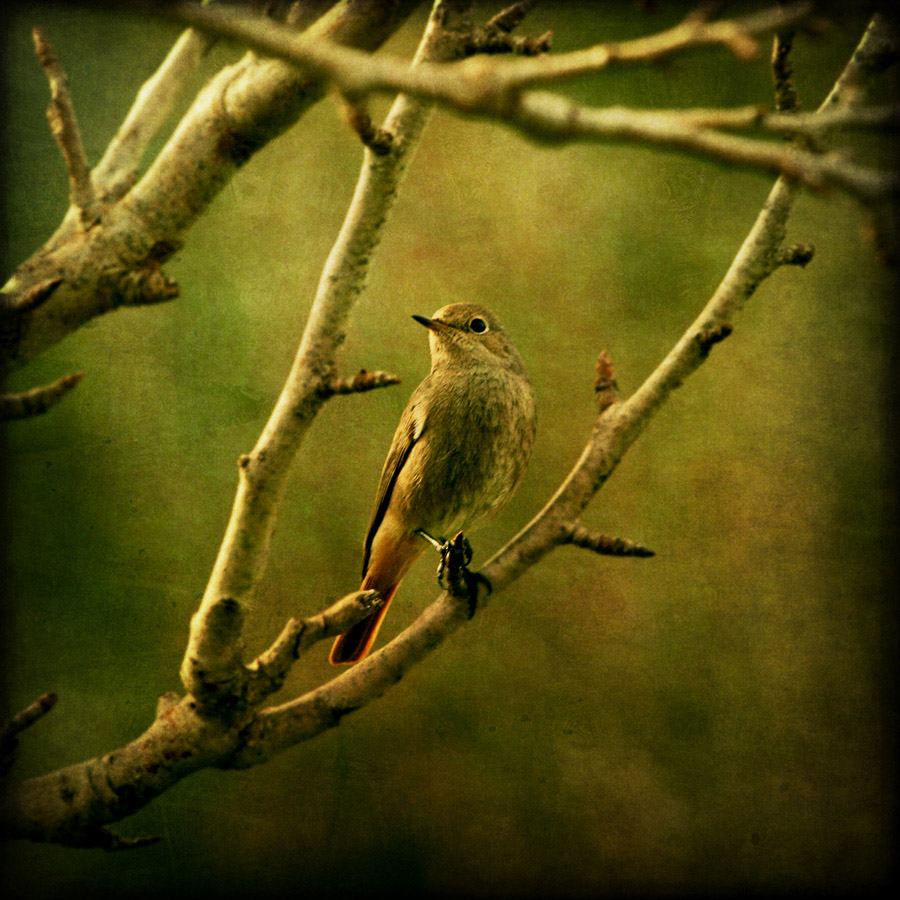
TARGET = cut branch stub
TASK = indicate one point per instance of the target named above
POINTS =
(795, 255)
(511, 17)
(379, 140)
(711, 336)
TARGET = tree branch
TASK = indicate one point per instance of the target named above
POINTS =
(480, 84)
(117, 170)
(34, 402)
(64, 125)
(264, 471)
(496, 89)
(9, 736)
(616, 428)
(552, 117)
(816, 125)
(238, 112)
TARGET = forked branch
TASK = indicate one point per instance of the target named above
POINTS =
(504, 90)
(617, 427)
(264, 471)
(218, 723)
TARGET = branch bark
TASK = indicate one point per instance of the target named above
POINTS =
(117, 171)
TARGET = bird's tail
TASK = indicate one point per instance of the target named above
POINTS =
(355, 643)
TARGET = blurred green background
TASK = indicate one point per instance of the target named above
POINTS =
(717, 717)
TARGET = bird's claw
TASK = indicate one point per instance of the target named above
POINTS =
(454, 574)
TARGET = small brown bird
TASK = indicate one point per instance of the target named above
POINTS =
(458, 454)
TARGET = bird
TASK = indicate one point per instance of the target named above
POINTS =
(459, 452)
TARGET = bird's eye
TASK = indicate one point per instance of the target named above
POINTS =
(478, 325)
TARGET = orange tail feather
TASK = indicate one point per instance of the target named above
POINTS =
(355, 643)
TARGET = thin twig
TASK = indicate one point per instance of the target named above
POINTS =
(36, 401)
(813, 124)
(604, 544)
(9, 736)
(786, 99)
(64, 125)
(156, 99)
(269, 670)
(552, 117)
(359, 383)
(479, 83)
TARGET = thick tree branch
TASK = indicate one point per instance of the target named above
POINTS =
(783, 72)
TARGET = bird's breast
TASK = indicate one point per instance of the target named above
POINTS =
(473, 450)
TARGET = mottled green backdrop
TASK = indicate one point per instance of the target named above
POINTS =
(719, 716)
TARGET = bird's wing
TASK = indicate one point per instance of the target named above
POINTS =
(409, 430)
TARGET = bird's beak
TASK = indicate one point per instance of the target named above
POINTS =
(431, 324)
